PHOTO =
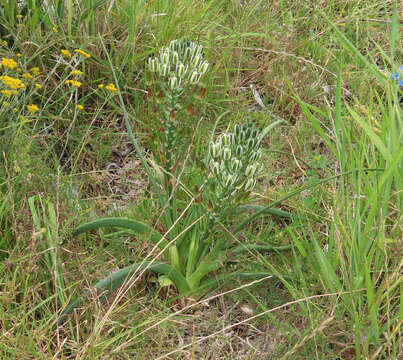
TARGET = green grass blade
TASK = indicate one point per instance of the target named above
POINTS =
(375, 139)
(289, 195)
(353, 50)
(271, 211)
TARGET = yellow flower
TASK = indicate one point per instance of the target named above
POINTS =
(19, 16)
(32, 108)
(79, 107)
(39, 86)
(111, 87)
(14, 92)
(12, 83)
(55, 30)
(100, 86)
(15, 109)
(8, 63)
(27, 76)
(19, 55)
(79, 51)
(5, 43)
(74, 83)
(6, 104)
(35, 70)
(77, 72)
(6, 93)
(66, 53)
(23, 118)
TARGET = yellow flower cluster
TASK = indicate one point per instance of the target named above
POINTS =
(12, 83)
(32, 108)
(74, 83)
(66, 53)
(7, 93)
(8, 63)
(111, 87)
(27, 76)
(35, 70)
(77, 72)
(79, 51)
(79, 107)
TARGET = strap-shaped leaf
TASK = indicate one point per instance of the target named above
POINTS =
(116, 279)
(136, 226)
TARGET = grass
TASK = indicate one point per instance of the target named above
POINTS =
(336, 293)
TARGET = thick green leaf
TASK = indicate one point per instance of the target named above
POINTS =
(122, 223)
(115, 280)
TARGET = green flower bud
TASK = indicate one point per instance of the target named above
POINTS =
(199, 50)
(188, 53)
(236, 164)
(165, 57)
(258, 155)
(195, 61)
(203, 67)
(215, 150)
(250, 184)
(173, 45)
(252, 156)
(238, 151)
(254, 134)
(243, 135)
(181, 70)
(226, 153)
(237, 130)
(151, 64)
(251, 143)
(175, 58)
(222, 167)
(250, 170)
(173, 82)
(229, 180)
(164, 70)
(225, 139)
(194, 78)
(215, 167)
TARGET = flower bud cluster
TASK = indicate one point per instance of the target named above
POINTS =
(235, 159)
(180, 63)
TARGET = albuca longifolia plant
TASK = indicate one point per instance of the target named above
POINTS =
(194, 245)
